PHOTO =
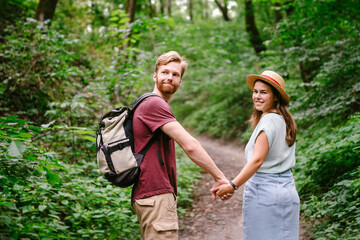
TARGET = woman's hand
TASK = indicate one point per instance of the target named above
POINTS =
(224, 191)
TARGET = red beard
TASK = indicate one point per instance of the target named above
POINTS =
(165, 88)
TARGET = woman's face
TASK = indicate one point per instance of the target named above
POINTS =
(263, 97)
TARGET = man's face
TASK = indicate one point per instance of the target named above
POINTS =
(168, 78)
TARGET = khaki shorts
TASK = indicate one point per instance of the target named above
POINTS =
(157, 217)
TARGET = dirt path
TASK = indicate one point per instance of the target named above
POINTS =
(214, 220)
(217, 220)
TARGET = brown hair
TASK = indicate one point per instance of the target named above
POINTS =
(281, 108)
(169, 57)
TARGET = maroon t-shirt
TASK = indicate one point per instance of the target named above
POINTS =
(149, 116)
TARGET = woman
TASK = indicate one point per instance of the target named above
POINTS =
(271, 202)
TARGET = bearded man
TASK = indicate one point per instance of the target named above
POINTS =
(154, 195)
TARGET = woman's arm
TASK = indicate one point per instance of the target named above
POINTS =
(260, 151)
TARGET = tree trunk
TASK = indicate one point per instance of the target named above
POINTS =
(223, 9)
(45, 10)
(278, 15)
(151, 8)
(251, 28)
(190, 10)
(168, 7)
(162, 7)
(205, 9)
(289, 7)
(130, 9)
(308, 71)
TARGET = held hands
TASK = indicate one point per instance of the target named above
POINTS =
(224, 191)
(217, 185)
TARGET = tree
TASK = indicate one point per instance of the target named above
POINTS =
(45, 10)
(251, 28)
(151, 8)
(162, 7)
(205, 9)
(130, 9)
(190, 7)
(278, 15)
(224, 9)
(168, 7)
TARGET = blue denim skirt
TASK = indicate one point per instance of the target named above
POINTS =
(271, 207)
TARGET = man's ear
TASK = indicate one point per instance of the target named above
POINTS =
(154, 77)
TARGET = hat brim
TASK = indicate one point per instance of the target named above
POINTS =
(250, 80)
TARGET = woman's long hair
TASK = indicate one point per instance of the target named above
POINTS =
(281, 108)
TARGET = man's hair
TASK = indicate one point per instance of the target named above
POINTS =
(169, 57)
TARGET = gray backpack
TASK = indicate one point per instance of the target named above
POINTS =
(116, 157)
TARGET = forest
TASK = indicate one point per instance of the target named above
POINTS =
(64, 63)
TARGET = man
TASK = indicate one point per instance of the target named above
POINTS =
(154, 195)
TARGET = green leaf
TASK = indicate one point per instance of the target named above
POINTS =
(42, 208)
(90, 138)
(16, 148)
(52, 178)
(25, 135)
(12, 206)
(124, 20)
(114, 19)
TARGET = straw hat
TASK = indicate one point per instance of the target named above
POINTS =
(273, 79)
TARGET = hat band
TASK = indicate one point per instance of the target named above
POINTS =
(270, 79)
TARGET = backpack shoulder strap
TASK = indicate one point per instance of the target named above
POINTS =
(156, 137)
(141, 98)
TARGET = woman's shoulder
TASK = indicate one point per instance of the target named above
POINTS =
(269, 117)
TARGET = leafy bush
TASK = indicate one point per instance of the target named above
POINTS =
(188, 174)
(21, 159)
(337, 212)
(44, 198)
(327, 176)
(37, 64)
(328, 157)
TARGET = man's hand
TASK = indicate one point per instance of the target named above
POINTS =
(218, 185)
(223, 190)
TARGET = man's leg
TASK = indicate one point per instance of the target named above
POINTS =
(157, 217)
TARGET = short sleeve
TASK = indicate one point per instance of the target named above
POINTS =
(156, 113)
(268, 125)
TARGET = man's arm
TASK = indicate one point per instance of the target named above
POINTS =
(194, 151)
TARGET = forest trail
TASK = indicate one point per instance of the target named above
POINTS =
(217, 220)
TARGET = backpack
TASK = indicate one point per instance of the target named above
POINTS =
(116, 157)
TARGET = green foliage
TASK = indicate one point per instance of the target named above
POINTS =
(11, 9)
(83, 205)
(37, 65)
(66, 75)
(337, 212)
(336, 88)
(326, 160)
(44, 198)
(21, 160)
(188, 173)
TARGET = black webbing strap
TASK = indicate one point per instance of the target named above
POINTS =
(119, 146)
(142, 97)
(148, 145)
(108, 158)
(161, 161)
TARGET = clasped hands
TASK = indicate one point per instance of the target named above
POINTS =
(223, 189)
